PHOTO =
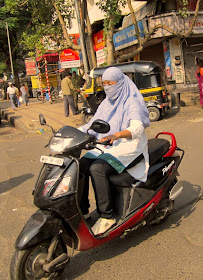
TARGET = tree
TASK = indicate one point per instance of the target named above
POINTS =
(142, 42)
(112, 10)
(48, 19)
(17, 19)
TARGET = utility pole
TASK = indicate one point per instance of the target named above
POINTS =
(82, 41)
(9, 47)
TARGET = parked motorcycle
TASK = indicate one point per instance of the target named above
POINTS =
(54, 94)
(46, 243)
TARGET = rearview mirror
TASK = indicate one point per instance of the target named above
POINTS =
(42, 120)
(100, 126)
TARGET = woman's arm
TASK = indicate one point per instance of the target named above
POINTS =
(135, 130)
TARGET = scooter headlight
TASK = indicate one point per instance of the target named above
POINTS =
(63, 187)
(58, 144)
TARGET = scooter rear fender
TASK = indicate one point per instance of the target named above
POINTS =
(40, 226)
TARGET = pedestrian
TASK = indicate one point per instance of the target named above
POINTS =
(67, 91)
(76, 80)
(199, 75)
(126, 112)
(12, 94)
(24, 93)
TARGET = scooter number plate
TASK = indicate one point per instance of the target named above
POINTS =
(52, 160)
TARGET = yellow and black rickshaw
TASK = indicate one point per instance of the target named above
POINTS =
(148, 77)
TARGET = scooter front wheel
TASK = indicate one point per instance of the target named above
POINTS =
(28, 264)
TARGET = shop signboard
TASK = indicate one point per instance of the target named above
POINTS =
(30, 66)
(127, 37)
(69, 58)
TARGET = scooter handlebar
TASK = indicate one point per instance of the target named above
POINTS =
(105, 143)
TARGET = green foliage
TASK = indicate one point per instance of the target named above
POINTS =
(183, 11)
(2, 67)
(112, 10)
(17, 19)
(45, 22)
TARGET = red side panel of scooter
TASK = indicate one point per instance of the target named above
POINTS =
(88, 241)
(173, 144)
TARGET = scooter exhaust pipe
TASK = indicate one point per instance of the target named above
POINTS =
(175, 191)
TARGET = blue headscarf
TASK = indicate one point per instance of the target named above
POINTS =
(122, 104)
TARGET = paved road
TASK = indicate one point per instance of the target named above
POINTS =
(172, 250)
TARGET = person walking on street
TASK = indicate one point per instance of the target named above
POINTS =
(76, 80)
(67, 90)
(23, 91)
(199, 76)
(12, 94)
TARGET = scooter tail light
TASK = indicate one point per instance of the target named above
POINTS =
(173, 146)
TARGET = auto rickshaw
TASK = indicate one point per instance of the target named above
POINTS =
(148, 77)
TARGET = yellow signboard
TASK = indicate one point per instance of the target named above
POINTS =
(52, 81)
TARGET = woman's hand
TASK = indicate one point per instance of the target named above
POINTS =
(109, 138)
(121, 134)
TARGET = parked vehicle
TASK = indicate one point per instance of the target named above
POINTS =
(148, 77)
(54, 94)
(42, 246)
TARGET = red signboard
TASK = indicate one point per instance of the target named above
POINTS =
(99, 42)
(69, 58)
(30, 66)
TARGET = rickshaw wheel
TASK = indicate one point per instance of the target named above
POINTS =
(154, 114)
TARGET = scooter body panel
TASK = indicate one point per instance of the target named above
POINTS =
(40, 226)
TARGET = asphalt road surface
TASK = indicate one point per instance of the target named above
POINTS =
(173, 250)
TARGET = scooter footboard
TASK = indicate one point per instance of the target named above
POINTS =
(40, 226)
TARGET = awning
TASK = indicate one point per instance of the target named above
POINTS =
(50, 57)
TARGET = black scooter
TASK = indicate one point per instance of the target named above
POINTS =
(46, 243)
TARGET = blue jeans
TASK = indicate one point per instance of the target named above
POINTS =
(13, 99)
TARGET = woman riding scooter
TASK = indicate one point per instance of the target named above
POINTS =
(125, 110)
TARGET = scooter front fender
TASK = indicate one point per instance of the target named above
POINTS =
(40, 226)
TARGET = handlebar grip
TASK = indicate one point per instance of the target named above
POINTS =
(105, 143)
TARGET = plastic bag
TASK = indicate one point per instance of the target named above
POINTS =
(20, 99)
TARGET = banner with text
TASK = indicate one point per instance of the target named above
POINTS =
(127, 37)
(69, 58)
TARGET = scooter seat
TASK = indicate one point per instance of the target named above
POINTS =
(157, 148)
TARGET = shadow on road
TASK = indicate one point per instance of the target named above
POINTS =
(82, 262)
(14, 182)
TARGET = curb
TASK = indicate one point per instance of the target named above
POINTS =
(14, 121)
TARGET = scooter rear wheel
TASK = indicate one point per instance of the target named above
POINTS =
(27, 264)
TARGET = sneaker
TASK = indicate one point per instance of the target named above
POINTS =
(102, 225)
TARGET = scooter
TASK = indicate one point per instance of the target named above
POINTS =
(46, 243)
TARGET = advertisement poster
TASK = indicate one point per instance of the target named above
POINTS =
(99, 46)
(167, 58)
(30, 66)
(99, 42)
(69, 58)
(101, 56)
